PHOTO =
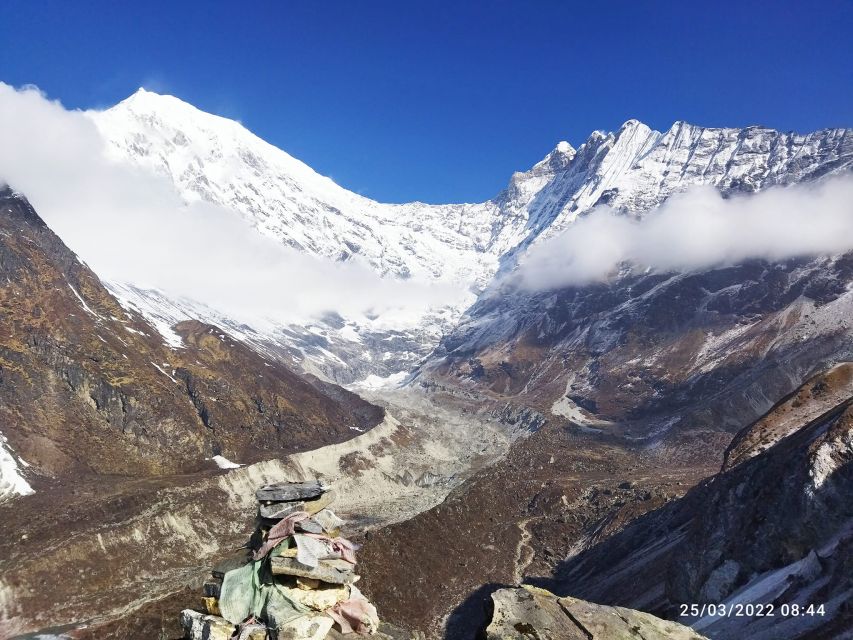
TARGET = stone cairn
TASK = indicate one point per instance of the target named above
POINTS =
(295, 582)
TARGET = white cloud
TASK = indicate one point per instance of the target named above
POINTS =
(694, 230)
(130, 225)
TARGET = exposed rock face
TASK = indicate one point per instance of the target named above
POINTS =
(775, 527)
(649, 354)
(822, 393)
(528, 612)
(88, 388)
(633, 170)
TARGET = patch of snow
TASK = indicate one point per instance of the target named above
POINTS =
(373, 381)
(224, 463)
(12, 483)
(160, 369)
(828, 458)
(86, 307)
(349, 332)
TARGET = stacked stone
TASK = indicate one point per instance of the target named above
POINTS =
(307, 591)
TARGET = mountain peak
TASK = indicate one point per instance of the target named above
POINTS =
(143, 99)
(633, 126)
(564, 147)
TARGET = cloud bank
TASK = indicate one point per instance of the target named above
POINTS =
(130, 225)
(697, 229)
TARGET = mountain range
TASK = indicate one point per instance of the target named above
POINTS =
(215, 160)
(569, 433)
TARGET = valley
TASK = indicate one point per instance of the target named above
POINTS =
(607, 440)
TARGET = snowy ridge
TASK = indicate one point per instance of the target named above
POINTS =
(634, 169)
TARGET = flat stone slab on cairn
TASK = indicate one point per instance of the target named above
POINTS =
(279, 510)
(290, 491)
(332, 571)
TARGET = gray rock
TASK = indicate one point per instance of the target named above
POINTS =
(721, 581)
(212, 588)
(233, 562)
(332, 571)
(313, 626)
(528, 612)
(289, 491)
(200, 626)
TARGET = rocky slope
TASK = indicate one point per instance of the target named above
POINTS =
(633, 169)
(586, 514)
(89, 388)
(529, 612)
(773, 528)
(653, 354)
(556, 490)
(112, 439)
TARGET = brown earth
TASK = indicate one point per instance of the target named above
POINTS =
(648, 352)
(87, 387)
(512, 522)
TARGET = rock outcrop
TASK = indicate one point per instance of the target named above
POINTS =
(774, 528)
(528, 613)
(87, 387)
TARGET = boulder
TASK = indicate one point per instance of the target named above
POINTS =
(200, 626)
(528, 612)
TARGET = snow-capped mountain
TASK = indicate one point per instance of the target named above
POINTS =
(217, 160)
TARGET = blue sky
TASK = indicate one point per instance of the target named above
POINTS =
(442, 101)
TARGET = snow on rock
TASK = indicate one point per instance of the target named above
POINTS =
(160, 312)
(376, 382)
(634, 169)
(224, 463)
(12, 483)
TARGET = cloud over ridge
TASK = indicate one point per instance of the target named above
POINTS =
(130, 225)
(696, 229)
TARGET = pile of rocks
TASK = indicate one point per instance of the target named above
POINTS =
(296, 579)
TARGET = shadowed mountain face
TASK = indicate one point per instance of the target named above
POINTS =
(652, 354)
(774, 527)
(633, 170)
(86, 387)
